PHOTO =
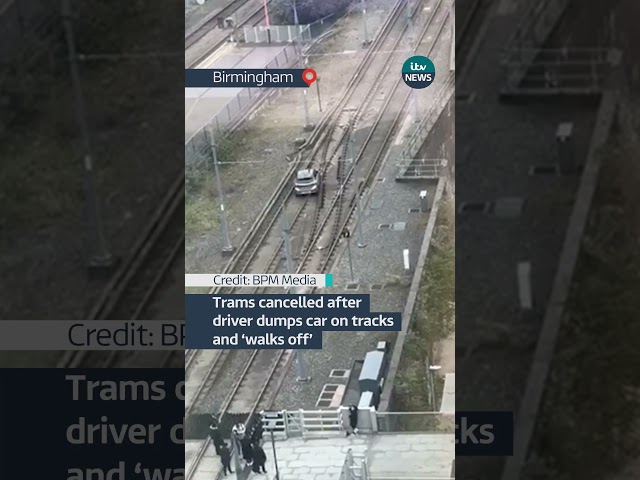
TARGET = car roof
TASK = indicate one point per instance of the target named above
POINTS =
(306, 173)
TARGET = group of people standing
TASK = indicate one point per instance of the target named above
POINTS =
(248, 445)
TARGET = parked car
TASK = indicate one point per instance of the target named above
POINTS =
(307, 182)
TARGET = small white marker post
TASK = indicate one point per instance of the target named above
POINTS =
(524, 285)
(424, 203)
(405, 255)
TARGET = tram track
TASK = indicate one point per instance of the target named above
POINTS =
(329, 142)
(334, 218)
(325, 142)
(135, 284)
(249, 13)
(328, 138)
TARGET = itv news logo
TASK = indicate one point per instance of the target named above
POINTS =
(484, 434)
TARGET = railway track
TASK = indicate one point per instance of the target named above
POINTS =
(214, 367)
(470, 30)
(248, 12)
(265, 366)
(326, 139)
(333, 219)
(241, 404)
(372, 150)
(136, 283)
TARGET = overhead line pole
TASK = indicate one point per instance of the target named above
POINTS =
(101, 257)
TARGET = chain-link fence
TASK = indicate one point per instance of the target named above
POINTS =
(277, 34)
(198, 136)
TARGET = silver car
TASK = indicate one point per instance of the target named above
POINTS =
(307, 182)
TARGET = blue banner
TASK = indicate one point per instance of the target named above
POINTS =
(482, 434)
(245, 78)
(277, 321)
(92, 423)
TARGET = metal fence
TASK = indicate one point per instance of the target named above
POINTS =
(330, 423)
(537, 24)
(277, 34)
(315, 423)
(569, 70)
(197, 145)
(421, 131)
(421, 168)
(355, 467)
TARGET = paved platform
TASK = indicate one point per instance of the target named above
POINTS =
(421, 455)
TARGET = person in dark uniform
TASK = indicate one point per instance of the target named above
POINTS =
(247, 450)
(256, 435)
(225, 458)
(216, 436)
(259, 459)
(353, 420)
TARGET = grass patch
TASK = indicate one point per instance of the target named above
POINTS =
(433, 316)
(201, 214)
(196, 290)
(589, 418)
(202, 211)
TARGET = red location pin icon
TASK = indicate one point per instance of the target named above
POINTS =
(309, 76)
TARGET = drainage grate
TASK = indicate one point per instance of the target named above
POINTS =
(339, 373)
(384, 226)
(473, 207)
(549, 169)
(377, 286)
(508, 207)
(352, 286)
(331, 395)
(465, 97)
(398, 226)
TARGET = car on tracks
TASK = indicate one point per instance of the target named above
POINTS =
(307, 182)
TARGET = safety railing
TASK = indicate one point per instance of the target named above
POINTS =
(317, 423)
(355, 467)
(530, 35)
(420, 168)
(332, 423)
(276, 34)
(559, 71)
(421, 131)
(197, 142)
